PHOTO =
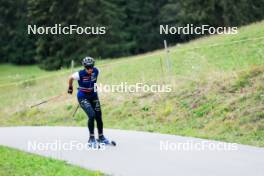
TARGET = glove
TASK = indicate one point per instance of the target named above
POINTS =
(70, 90)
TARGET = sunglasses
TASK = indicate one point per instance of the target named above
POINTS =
(89, 67)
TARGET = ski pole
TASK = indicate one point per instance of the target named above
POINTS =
(46, 101)
(73, 114)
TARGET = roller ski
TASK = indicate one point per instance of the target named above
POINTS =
(104, 141)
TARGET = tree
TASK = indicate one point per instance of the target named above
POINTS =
(15, 45)
(132, 27)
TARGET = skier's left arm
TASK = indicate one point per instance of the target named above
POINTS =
(98, 71)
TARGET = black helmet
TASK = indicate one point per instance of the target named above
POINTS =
(88, 62)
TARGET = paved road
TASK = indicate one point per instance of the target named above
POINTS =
(139, 153)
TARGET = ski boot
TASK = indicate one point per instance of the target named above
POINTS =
(92, 142)
(103, 140)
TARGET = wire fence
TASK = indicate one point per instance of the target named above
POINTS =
(147, 55)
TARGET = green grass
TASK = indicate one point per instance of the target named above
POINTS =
(14, 74)
(217, 91)
(16, 163)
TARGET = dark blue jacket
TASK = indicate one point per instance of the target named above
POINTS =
(87, 83)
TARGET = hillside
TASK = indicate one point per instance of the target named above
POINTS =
(218, 85)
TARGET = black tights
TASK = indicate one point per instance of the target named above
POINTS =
(92, 108)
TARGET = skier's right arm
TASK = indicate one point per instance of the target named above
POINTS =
(74, 76)
(70, 88)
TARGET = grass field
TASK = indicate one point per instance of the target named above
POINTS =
(217, 81)
(15, 163)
